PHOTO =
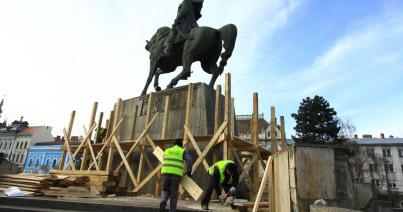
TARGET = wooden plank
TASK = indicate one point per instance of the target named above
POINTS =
(69, 130)
(79, 172)
(282, 131)
(150, 140)
(209, 146)
(188, 184)
(263, 185)
(100, 119)
(136, 108)
(67, 145)
(217, 108)
(138, 140)
(166, 118)
(187, 112)
(106, 144)
(87, 136)
(239, 161)
(227, 113)
(273, 130)
(84, 161)
(124, 160)
(251, 163)
(255, 141)
(196, 147)
(145, 181)
(92, 153)
(117, 114)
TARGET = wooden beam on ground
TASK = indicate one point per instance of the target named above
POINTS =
(209, 146)
(69, 130)
(196, 147)
(283, 136)
(273, 130)
(84, 161)
(263, 185)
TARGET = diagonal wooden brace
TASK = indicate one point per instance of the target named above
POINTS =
(209, 146)
(190, 136)
(67, 145)
(122, 155)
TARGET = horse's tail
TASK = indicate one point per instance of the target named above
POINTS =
(228, 34)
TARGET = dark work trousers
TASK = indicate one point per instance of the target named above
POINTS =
(170, 187)
(214, 184)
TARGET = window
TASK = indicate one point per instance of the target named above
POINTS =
(54, 163)
(376, 183)
(37, 163)
(400, 153)
(392, 185)
(389, 167)
(357, 180)
(386, 153)
(18, 158)
(25, 146)
(373, 167)
(30, 162)
(47, 162)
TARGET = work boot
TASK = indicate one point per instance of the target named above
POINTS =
(162, 206)
(204, 207)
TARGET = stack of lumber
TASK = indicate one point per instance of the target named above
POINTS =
(86, 184)
(31, 185)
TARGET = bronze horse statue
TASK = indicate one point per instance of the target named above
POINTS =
(204, 44)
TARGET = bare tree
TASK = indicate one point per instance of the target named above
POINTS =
(347, 128)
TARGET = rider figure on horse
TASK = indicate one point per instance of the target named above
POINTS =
(189, 12)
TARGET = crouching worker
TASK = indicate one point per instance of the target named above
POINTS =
(223, 175)
(173, 168)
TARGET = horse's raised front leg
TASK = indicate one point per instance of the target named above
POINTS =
(187, 63)
(150, 77)
(156, 79)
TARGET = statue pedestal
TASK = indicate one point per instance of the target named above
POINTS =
(201, 120)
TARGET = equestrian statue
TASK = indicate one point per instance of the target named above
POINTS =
(185, 43)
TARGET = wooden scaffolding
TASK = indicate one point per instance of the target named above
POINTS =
(95, 154)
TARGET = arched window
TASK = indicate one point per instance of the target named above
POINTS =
(37, 163)
(18, 158)
(47, 163)
(54, 163)
(25, 145)
(30, 162)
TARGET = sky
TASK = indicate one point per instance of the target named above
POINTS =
(62, 55)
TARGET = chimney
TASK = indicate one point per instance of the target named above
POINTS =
(355, 136)
(382, 136)
(391, 136)
(367, 136)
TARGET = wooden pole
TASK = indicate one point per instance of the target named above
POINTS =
(217, 112)
(69, 130)
(100, 119)
(187, 112)
(262, 185)
(227, 115)
(111, 150)
(157, 191)
(136, 108)
(84, 161)
(273, 130)
(148, 117)
(255, 140)
(109, 129)
(283, 136)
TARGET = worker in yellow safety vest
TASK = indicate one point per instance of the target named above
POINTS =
(173, 169)
(223, 175)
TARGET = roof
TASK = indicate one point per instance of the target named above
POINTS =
(243, 125)
(380, 141)
(29, 130)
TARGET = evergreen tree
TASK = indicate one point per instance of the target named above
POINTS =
(316, 122)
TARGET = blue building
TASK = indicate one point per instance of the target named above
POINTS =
(43, 158)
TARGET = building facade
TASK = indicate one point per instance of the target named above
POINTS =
(379, 161)
(16, 139)
(43, 158)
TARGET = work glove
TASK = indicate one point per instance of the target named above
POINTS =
(232, 190)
